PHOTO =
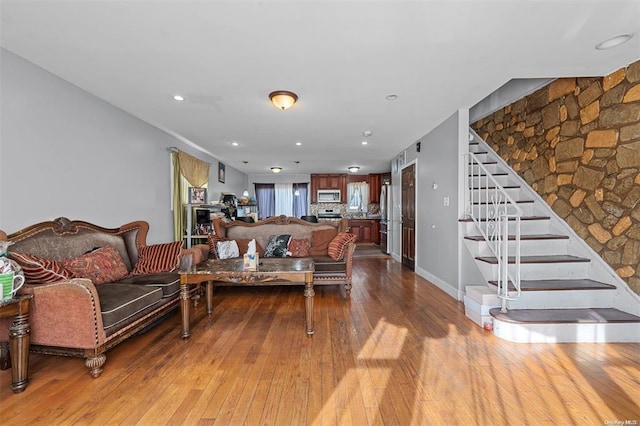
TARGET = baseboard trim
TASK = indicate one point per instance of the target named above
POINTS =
(451, 290)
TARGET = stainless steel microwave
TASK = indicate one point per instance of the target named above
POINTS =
(328, 195)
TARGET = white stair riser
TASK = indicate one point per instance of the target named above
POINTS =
(527, 248)
(564, 299)
(481, 195)
(526, 227)
(567, 333)
(536, 271)
(491, 168)
(484, 210)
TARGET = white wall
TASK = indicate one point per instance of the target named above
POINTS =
(65, 152)
(437, 242)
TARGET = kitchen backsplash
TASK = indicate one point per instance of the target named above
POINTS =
(373, 210)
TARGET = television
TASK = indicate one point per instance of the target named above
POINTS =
(201, 216)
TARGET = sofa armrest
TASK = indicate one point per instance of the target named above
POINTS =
(348, 257)
(66, 314)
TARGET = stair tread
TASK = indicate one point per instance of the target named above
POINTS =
(554, 285)
(532, 237)
(566, 316)
(477, 203)
(557, 258)
(492, 174)
(494, 187)
(482, 219)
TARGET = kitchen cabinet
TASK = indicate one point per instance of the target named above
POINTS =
(375, 185)
(365, 230)
(328, 181)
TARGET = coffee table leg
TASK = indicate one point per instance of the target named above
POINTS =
(209, 285)
(308, 294)
(184, 306)
(19, 337)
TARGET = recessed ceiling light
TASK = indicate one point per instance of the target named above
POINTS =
(276, 169)
(614, 41)
(235, 143)
(364, 142)
(298, 143)
(178, 98)
(392, 97)
(367, 133)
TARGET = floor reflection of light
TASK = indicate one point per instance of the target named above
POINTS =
(385, 343)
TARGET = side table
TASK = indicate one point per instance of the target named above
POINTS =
(18, 308)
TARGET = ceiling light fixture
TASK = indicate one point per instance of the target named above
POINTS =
(364, 142)
(367, 133)
(178, 98)
(354, 169)
(614, 41)
(283, 99)
(298, 143)
(276, 169)
(245, 193)
(392, 97)
(235, 143)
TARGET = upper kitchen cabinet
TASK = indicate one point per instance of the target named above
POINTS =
(375, 185)
(328, 181)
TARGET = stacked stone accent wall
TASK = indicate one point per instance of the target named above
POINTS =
(577, 143)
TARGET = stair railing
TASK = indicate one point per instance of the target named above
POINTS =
(492, 209)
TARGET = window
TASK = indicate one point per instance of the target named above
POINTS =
(357, 196)
(289, 199)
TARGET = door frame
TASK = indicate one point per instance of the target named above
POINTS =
(416, 210)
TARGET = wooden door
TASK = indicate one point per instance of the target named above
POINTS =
(408, 216)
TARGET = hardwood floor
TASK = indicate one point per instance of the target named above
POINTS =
(399, 351)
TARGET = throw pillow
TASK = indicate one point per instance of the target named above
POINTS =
(320, 241)
(103, 265)
(158, 258)
(338, 245)
(213, 240)
(277, 246)
(299, 247)
(40, 271)
(228, 249)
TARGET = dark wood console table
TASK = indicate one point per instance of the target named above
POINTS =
(18, 308)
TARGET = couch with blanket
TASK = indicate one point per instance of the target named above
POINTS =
(93, 287)
(327, 243)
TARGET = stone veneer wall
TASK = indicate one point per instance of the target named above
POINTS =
(576, 141)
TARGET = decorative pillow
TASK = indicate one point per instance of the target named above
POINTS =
(338, 245)
(213, 240)
(299, 247)
(277, 246)
(158, 258)
(40, 271)
(103, 265)
(228, 249)
(320, 241)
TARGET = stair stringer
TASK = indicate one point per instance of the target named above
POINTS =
(625, 299)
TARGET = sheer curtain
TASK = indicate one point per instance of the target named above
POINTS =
(300, 199)
(266, 200)
(284, 199)
(358, 196)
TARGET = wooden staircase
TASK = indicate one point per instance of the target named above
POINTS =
(568, 293)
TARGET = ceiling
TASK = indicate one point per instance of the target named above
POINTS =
(342, 58)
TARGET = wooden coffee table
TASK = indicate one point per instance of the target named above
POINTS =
(271, 271)
(19, 331)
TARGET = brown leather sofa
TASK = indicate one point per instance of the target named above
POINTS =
(76, 317)
(327, 270)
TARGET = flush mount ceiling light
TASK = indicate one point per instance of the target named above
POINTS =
(614, 41)
(276, 169)
(283, 99)
(367, 133)
(354, 169)
(392, 97)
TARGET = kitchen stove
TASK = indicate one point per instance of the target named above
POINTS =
(329, 214)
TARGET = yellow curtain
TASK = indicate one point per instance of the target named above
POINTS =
(179, 220)
(194, 170)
